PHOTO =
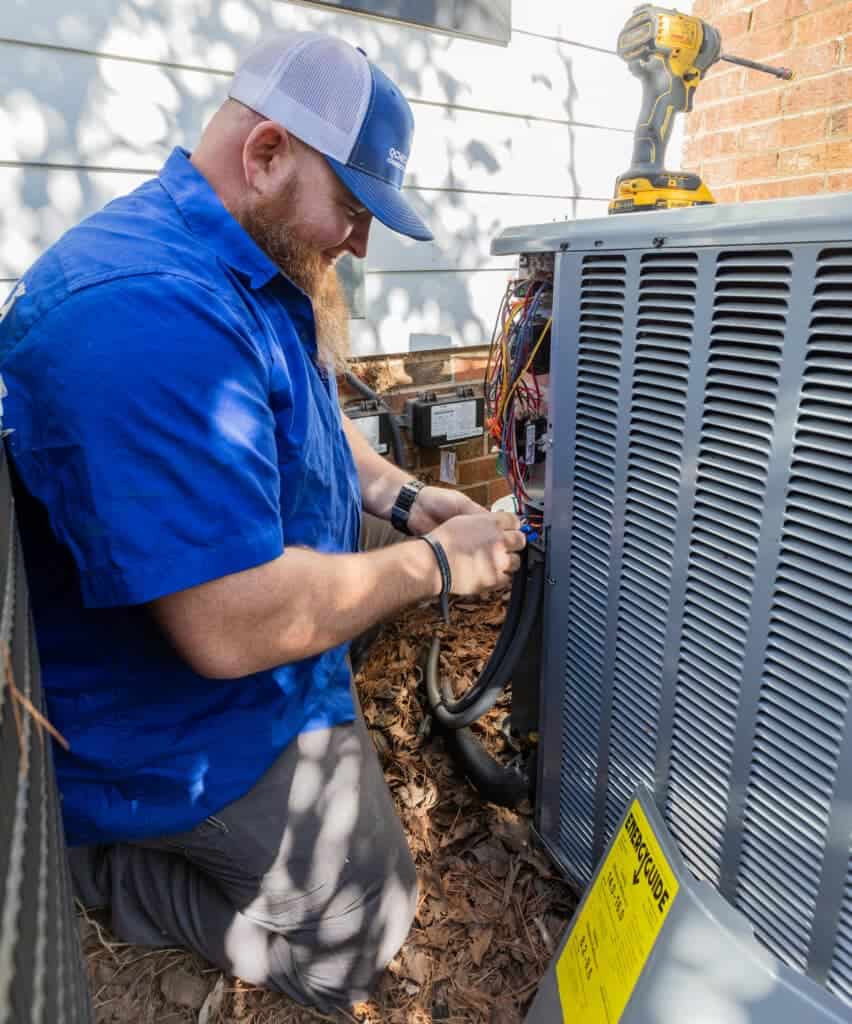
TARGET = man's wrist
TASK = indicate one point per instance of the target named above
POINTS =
(401, 508)
(443, 564)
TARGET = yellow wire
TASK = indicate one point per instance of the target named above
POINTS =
(528, 364)
(517, 308)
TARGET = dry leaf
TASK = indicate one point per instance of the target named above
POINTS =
(414, 965)
(481, 942)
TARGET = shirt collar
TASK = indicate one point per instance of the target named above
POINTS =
(207, 218)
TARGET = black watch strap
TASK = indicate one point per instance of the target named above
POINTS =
(402, 506)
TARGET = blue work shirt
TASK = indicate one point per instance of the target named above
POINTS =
(170, 426)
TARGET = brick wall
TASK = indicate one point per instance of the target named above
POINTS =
(397, 378)
(752, 136)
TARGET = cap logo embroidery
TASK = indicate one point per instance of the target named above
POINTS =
(397, 159)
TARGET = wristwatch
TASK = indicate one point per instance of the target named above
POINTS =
(402, 506)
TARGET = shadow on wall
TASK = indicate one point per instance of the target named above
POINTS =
(63, 108)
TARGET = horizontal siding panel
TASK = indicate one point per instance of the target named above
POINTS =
(532, 76)
(76, 109)
(38, 204)
(590, 24)
(459, 304)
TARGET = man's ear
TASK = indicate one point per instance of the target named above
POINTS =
(268, 158)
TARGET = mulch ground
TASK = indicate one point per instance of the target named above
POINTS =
(492, 907)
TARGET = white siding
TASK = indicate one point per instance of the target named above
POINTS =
(92, 99)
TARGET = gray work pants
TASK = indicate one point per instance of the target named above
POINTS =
(305, 885)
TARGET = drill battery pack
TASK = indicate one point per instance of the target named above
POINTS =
(664, 191)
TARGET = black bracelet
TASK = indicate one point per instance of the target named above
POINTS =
(446, 575)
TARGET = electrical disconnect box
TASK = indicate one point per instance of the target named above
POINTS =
(436, 420)
(374, 423)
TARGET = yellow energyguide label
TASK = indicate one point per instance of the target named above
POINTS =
(617, 927)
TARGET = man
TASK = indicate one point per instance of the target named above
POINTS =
(190, 501)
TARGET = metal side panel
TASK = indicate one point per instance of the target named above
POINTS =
(42, 979)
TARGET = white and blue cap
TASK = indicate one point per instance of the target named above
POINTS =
(331, 97)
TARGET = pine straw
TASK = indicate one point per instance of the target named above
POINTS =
(491, 906)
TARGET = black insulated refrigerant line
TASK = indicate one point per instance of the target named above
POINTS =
(501, 784)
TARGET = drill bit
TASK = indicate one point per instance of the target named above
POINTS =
(785, 73)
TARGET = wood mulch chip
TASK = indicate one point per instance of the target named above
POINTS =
(492, 906)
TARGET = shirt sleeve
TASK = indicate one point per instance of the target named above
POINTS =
(153, 440)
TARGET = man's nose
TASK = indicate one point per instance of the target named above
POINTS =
(358, 238)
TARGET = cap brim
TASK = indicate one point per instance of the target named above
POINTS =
(382, 200)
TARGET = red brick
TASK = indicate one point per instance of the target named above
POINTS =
(725, 195)
(759, 190)
(839, 156)
(762, 106)
(469, 374)
(756, 168)
(828, 24)
(811, 60)
(840, 182)
(477, 471)
(720, 172)
(779, 189)
(841, 85)
(724, 115)
(805, 160)
(771, 12)
(718, 144)
(692, 149)
(766, 42)
(732, 26)
(475, 448)
(497, 489)
(477, 493)
(809, 186)
(812, 94)
(799, 8)
(796, 131)
(839, 123)
(759, 139)
(723, 83)
(477, 354)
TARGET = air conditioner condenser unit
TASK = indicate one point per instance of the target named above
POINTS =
(698, 607)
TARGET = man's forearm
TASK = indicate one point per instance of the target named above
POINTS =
(294, 607)
(380, 480)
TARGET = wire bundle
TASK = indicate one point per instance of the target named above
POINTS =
(512, 391)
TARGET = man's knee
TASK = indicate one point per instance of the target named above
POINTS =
(336, 958)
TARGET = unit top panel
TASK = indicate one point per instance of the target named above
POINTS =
(825, 218)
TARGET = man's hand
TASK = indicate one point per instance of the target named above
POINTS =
(435, 505)
(483, 550)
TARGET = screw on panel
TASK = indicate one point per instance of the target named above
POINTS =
(564, 245)
(551, 581)
(658, 242)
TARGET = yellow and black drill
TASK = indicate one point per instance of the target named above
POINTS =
(669, 53)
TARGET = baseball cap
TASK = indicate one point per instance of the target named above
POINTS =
(331, 97)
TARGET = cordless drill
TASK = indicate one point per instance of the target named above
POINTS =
(669, 53)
